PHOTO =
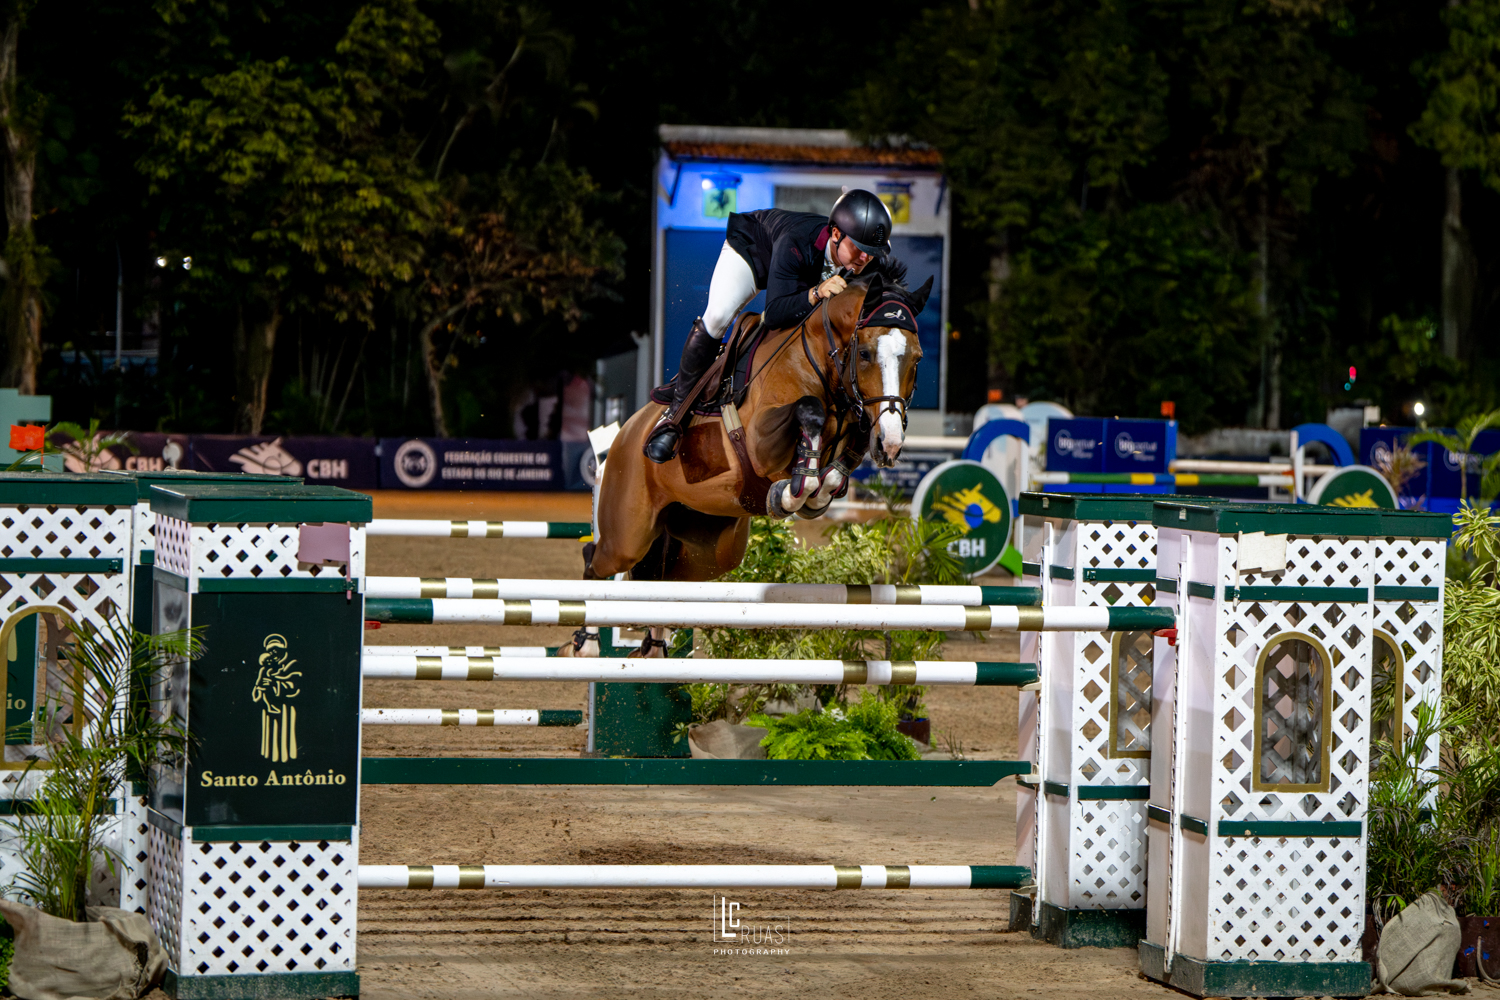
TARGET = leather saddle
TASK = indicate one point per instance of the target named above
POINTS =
(727, 380)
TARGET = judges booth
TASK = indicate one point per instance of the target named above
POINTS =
(705, 173)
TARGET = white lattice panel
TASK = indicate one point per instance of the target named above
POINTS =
(268, 907)
(64, 532)
(135, 852)
(174, 545)
(1416, 627)
(164, 895)
(244, 551)
(143, 531)
(1089, 854)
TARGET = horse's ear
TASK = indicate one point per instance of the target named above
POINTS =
(919, 297)
(873, 291)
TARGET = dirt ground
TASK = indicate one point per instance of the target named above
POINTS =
(578, 943)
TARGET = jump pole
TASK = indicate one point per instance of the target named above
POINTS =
(690, 876)
(471, 652)
(703, 671)
(468, 588)
(470, 717)
(682, 614)
(414, 528)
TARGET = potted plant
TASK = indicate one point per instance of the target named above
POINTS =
(93, 734)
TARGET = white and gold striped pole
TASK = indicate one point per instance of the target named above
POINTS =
(381, 652)
(472, 588)
(416, 528)
(691, 876)
(701, 671)
(470, 717)
(683, 614)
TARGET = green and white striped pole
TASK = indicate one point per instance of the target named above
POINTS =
(681, 614)
(470, 717)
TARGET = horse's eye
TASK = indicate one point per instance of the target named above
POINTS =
(864, 355)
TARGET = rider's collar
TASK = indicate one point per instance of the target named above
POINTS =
(890, 312)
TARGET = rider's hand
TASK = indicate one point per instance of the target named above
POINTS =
(830, 288)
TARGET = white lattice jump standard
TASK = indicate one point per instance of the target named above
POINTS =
(416, 528)
(682, 614)
(653, 590)
(690, 876)
(1261, 738)
(1081, 819)
(470, 717)
(699, 671)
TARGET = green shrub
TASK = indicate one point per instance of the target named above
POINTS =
(865, 731)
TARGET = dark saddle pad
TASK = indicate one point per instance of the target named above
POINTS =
(735, 383)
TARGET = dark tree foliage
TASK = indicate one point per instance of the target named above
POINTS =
(1226, 203)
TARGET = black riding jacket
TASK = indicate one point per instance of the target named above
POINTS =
(787, 251)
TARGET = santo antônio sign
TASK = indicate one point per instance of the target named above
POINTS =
(966, 494)
(274, 710)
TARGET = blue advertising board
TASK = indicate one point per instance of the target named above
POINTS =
(471, 464)
(329, 461)
(1075, 444)
(1139, 445)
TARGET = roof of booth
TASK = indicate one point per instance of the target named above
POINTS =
(806, 146)
(1300, 519)
(64, 489)
(145, 480)
(259, 503)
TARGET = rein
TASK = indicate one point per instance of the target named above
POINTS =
(845, 393)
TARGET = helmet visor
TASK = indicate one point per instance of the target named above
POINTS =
(878, 252)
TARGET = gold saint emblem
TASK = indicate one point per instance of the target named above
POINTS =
(275, 687)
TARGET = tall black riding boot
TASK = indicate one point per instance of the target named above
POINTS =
(697, 354)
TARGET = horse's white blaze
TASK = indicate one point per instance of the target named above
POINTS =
(889, 349)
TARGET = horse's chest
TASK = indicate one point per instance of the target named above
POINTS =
(702, 452)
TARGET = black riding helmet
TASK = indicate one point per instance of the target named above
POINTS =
(864, 220)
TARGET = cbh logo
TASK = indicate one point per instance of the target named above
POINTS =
(1065, 443)
(735, 934)
(1126, 446)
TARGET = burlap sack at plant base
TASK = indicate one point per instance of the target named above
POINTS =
(115, 956)
(1417, 949)
(722, 740)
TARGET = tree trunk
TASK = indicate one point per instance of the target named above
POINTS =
(434, 365)
(254, 347)
(1000, 272)
(22, 302)
(1459, 270)
(1269, 402)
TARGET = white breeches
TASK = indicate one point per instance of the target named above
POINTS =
(732, 288)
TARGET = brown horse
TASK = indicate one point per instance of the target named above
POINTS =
(817, 394)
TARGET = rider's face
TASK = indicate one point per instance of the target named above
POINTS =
(846, 254)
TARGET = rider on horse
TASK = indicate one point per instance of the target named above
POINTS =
(796, 257)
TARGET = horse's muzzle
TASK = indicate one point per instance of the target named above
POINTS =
(887, 449)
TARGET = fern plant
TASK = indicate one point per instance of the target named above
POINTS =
(866, 730)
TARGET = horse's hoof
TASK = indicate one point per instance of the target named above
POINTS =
(809, 512)
(661, 446)
(773, 501)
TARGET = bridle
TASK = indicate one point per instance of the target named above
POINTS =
(844, 390)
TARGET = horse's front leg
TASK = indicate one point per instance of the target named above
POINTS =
(834, 478)
(786, 498)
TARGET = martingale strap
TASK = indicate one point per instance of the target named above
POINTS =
(754, 487)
